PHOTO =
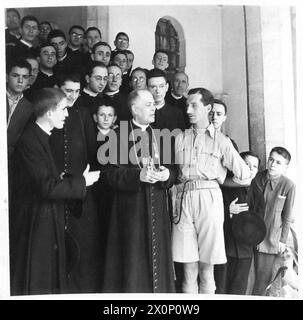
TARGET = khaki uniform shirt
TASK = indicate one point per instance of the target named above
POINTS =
(207, 155)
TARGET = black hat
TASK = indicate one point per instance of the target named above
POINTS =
(248, 228)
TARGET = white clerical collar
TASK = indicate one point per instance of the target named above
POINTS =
(47, 73)
(159, 106)
(109, 93)
(176, 97)
(74, 49)
(103, 131)
(26, 43)
(90, 93)
(47, 131)
(61, 59)
(142, 126)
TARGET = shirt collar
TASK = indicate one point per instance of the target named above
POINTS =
(90, 93)
(26, 43)
(273, 182)
(14, 98)
(142, 126)
(210, 129)
(104, 132)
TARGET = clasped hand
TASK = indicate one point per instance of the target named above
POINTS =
(152, 176)
(236, 208)
(90, 176)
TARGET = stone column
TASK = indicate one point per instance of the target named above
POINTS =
(270, 79)
(255, 90)
(97, 16)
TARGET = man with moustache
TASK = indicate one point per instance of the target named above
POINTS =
(138, 256)
(37, 225)
(204, 155)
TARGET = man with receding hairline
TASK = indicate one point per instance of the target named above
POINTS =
(138, 258)
(176, 96)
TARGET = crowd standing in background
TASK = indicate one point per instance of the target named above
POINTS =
(121, 179)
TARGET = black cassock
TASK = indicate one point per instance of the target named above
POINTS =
(138, 253)
(73, 147)
(37, 246)
(169, 117)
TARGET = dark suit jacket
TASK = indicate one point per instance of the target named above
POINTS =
(20, 118)
(37, 244)
(233, 247)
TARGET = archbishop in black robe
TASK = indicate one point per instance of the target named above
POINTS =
(138, 256)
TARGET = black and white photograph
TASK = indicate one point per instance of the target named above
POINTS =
(151, 149)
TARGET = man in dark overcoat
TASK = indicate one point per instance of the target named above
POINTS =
(37, 237)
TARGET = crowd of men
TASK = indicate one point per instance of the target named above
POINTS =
(101, 201)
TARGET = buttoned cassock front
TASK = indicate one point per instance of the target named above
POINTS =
(203, 155)
(73, 147)
(138, 255)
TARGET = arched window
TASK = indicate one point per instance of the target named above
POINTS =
(169, 36)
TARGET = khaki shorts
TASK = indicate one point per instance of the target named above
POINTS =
(199, 234)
